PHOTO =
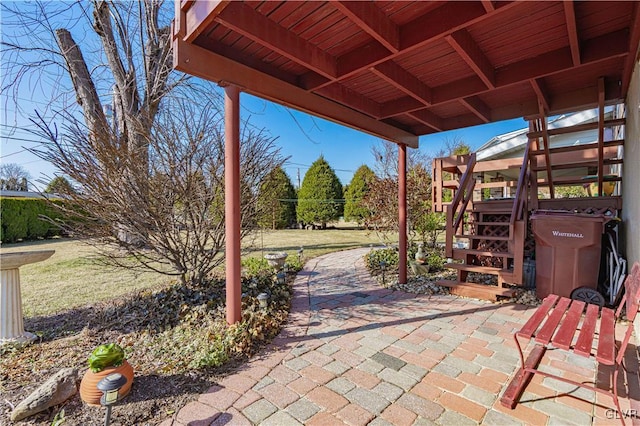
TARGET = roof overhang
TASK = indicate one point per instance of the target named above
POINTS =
(398, 70)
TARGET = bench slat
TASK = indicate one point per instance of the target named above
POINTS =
(585, 338)
(538, 316)
(606, 338)
(549, 327)
(564, 336)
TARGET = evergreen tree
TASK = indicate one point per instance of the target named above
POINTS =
(354, 210)
(320, 196)
(59, 185)
(276, 205)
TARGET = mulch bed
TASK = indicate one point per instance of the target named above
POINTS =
(147, 324)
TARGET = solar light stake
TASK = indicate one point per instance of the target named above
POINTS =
(263, 300)
(110, 386)
(383, 266)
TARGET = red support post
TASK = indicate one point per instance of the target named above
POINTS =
(402, 213)
(232, 202)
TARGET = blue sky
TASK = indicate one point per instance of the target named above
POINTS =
(302, 138)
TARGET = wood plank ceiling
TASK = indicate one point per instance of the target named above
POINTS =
(401, 69)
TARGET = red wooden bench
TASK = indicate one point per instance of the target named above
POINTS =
(565, 324)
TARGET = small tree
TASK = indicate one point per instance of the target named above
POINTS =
(382, 198)
(59, 185)
(422, 222)
(320, 198)
(276, 200)
(180, 212)
(354, 209)
(13, 177)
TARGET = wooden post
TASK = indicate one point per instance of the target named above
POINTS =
(402, 214)
(600, 136)
(232, 202)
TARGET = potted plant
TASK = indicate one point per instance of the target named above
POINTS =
(103, 361)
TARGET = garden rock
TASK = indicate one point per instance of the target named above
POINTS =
(60, 387)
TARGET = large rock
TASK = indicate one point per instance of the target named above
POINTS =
(60, 387)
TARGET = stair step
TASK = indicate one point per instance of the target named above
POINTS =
(477, 268)
(484, 237)
(462, 252)
(478, 291)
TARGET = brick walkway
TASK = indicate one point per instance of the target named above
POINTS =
(355, 353)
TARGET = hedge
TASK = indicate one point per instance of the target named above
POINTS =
(21, 219)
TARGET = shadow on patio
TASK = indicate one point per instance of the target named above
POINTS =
(354, 353)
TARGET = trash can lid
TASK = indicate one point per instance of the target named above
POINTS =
(557, 214)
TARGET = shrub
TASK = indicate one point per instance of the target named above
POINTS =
(294, 264)
(253, 265)
(25, 219)
(435, 260)
(374, 258)
(188, 329)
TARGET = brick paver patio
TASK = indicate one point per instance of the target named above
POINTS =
(355, 353)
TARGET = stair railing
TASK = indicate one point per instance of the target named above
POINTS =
(520, 201)
(457, 208)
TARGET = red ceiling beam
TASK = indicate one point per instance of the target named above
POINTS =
(541, 93)
(595, 50)
(361, 59)
(476, 106)
(572, 31)
(205, 64)
(488, 5)
(586, 97)
(531, 70)
(459, 121)
(634, 41)
(373, 21)
(397, 76)
(563, 102)
(246, 21)
(198, 16)
(428, 118)
(400, 106)
(615, 44)
(462, 42)
(444, 20)
(458, 89)
(414, 35)
(346, 96)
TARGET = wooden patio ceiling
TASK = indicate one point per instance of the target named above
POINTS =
(401, 69)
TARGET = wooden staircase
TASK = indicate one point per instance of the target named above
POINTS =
(489, 236)
(491, 245)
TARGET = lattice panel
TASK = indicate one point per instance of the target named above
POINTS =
(602, 210)
(492, 245)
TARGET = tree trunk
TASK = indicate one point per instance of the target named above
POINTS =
(86, 93)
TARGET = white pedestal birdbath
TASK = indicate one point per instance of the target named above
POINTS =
(276, 260)
(11, 323)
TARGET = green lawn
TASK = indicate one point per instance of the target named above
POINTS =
(72, 277)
